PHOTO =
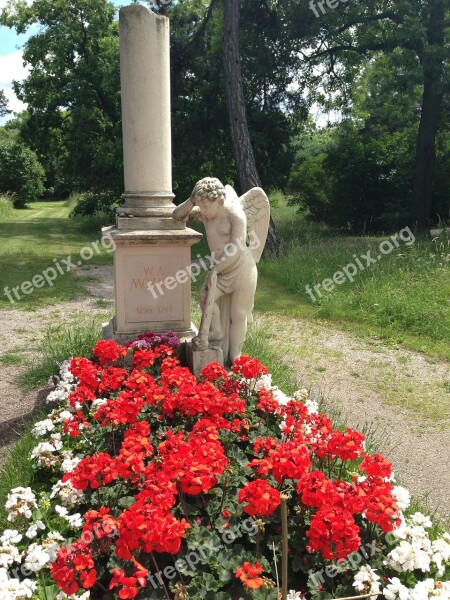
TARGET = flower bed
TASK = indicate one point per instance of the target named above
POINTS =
(151, 484)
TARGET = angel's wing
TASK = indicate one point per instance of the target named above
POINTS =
(257, 209)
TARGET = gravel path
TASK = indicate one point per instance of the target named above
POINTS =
(400, 397)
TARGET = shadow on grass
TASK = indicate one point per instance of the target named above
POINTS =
(12, 429)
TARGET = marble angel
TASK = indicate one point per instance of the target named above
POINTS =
(236, 231)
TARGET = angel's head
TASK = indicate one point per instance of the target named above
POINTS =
(209, 195)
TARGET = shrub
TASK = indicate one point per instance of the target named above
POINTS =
(21, 173)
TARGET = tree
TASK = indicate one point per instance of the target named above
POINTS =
(237, 114)
(72, 91)
(21, 174)
(360, 30)
(3, 105)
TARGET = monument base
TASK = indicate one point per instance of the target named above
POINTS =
(197, 359)
(152, 282)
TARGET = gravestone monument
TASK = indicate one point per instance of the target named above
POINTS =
(152, 250)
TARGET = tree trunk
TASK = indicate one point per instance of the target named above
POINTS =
(429, 120)
(237, 114)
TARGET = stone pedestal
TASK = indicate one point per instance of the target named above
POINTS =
(197, 359)
(152, 283)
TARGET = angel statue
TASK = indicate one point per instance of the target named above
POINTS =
(236, 230)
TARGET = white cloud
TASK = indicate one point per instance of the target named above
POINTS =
(11, 67)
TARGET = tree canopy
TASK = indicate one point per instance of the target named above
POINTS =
(381, 64)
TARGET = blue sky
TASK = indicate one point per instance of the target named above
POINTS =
(11, 64)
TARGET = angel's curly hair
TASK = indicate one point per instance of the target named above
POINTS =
(211, 187)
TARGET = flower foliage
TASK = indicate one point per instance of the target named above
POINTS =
(153, 484)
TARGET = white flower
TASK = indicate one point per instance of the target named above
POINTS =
(441, 553)
(67, 494)
(10, 537)
(312, 407)
(20, 503)
(69, 463)
(409, 556)
(420, 520)
(36, 558)
(32, 531)
(367, 581)
(402, 496)
(39, 555)
(301, 395)
(293, 595)
(8, 555)
(97, 403)
(75, 521)
(41, 428)
(264, 382)
(396, 590)
(61, 510)
(280, 396)
(13, 589)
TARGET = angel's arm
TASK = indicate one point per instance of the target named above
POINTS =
(186, 211)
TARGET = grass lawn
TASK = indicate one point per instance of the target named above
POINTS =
(402, 298)
(40, 239)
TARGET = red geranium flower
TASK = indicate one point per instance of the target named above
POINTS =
(262, 499)
(248, 574)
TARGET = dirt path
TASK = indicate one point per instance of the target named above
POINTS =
(402, 398)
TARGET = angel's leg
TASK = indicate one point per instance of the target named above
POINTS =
(241, 306)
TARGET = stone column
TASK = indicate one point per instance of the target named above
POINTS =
(146, 131)
(152, 254)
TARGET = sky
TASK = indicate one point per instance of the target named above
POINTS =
(11, 63)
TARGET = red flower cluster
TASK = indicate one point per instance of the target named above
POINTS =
(129, 583)
(262, 499)
(194, 464)
(92, 471)
(333, 532)
(107, 352)
(248, 367)
(74, 568)
(170, 435)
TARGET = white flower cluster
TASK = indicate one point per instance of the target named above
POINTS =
(67, 494)
(402, 497)
(13, 589)
(20, 503)
(416, 551)
(46, 453)
(293, 595)
(429, 589)
(37, 556)
(65, 384)
(367, 581)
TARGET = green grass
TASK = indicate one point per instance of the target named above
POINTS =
(41, 237)
(60, 343)
(11, 358)
(18, 471)
(6, 207)
(403, 298)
